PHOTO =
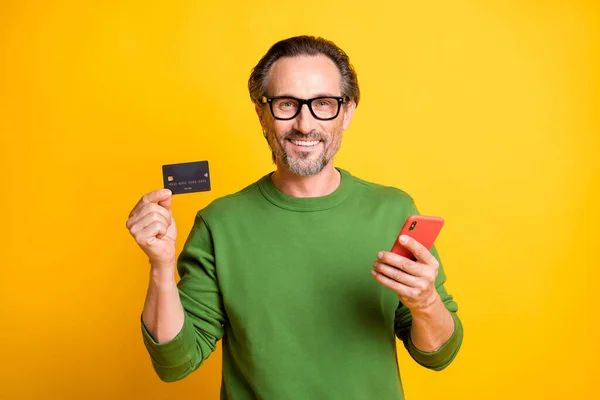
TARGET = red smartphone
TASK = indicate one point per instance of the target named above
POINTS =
(422, 228)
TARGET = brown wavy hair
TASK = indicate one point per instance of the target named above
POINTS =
(303, 46)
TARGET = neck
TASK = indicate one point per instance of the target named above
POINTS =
(318, 185)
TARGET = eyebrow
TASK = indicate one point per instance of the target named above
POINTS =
(312, 97)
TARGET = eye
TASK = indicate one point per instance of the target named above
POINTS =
(326, 102)
(286, 104)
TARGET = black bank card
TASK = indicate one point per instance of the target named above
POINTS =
(186, 177)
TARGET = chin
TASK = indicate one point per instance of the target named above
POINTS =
(302, 168)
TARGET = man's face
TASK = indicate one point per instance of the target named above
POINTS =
(304, 144)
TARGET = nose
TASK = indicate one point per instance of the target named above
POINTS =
(304, 121)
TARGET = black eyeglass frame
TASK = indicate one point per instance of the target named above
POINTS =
(302, 102)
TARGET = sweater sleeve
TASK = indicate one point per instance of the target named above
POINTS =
(442, 357)
(204, 316)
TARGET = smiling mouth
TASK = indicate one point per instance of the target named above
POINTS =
(305, 143)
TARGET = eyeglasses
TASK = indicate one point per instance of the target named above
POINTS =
(285, 108)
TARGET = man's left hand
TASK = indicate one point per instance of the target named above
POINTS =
(413, 281)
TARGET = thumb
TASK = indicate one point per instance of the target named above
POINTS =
(166, 203)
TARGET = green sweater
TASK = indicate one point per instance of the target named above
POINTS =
(286, 283)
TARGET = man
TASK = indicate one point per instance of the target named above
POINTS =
(283, 271)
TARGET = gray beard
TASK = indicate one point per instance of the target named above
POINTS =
(302, 165)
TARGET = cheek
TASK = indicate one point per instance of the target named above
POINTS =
(281, 127)
(276, 132)
(334, 131)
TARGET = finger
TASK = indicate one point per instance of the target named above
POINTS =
(148, 209)
(401, 289)
(146, 221)
(398, 261)
(399, 275)
(152, 197)
(150, 233)
(419, 251)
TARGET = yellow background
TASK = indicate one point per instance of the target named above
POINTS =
(486, 112)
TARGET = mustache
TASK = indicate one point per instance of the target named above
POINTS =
(296, 135)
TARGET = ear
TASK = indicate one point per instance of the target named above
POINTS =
(348, 114)
(261, 116)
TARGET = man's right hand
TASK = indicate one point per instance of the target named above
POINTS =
(152, 226)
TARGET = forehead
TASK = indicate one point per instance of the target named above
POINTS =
(304, 76)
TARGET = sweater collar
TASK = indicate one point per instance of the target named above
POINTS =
(280, 199)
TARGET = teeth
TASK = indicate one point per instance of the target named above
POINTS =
(304, 143)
